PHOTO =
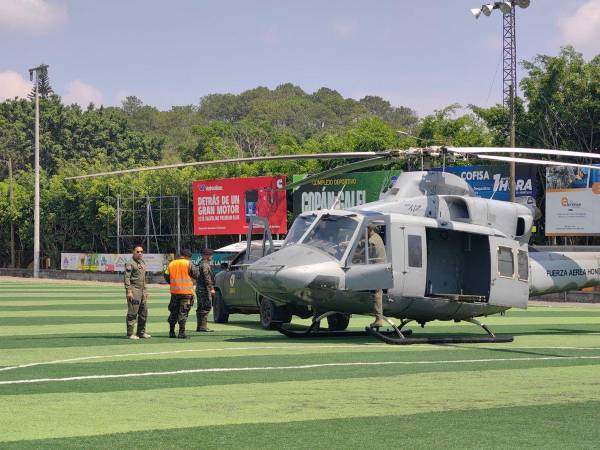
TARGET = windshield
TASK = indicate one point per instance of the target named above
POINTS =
(332, 234)
(299, 227)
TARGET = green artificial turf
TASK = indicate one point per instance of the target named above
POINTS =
(553, 426)
(251, 388)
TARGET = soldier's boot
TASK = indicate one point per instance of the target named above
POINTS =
(378, 312)
(144, 335)
(203, 323)
(172, 330)
(182, 334)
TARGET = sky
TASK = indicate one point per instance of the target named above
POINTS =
(421, 54)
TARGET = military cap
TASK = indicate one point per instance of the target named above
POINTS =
(207, 251)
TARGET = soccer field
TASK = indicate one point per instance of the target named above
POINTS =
(70, 379)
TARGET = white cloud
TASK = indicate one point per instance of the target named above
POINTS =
(83, 94)
(582, 29)
(31, 16)
(13, 85)
(344, 28)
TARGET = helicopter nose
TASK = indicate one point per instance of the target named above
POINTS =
(289, 270)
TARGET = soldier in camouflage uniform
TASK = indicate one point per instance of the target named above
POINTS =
(137, 295)
(376, 255)
(180, 274)
(205, 290)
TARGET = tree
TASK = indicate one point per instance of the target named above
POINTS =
(401, 117)
(561, 108)
(131, 105)
(466, 130)
(13, 142)
(563, 101)
(44, 88)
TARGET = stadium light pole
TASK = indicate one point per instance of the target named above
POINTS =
(509, 65)
(36, 202)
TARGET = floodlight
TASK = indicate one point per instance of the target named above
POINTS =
(487, 9)
(523, 3)
(505, 7)
(476, 12)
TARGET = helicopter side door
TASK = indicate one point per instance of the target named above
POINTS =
(509, 282)
(367, 269)
(414, 269)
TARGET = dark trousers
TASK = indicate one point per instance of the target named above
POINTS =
(137, 311)
(179, 308)
(204, 302)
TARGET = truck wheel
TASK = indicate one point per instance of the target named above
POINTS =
(338, 322)
(220, 311)
(267, 313)
(271, 314)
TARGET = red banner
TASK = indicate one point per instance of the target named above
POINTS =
(221, 206)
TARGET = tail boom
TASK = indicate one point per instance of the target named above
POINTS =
(563, 271)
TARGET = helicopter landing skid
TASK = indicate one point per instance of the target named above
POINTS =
(314, 332)
(401, 339)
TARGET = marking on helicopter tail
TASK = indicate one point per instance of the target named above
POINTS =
(299, 367)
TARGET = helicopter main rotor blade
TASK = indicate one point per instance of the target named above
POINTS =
(347, 155)
(536, 161)
(530, 151)
(340, 169)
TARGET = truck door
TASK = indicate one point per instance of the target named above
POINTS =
(509, 283)
(369, 264)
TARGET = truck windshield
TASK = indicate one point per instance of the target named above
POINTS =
(332, 234)
(299, 227)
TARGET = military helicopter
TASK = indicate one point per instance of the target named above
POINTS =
(449, 255)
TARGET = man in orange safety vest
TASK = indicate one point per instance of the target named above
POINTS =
(180, 275)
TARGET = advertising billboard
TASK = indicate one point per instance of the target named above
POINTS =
(492, 181)
(222, 206)
(110, 262)
(359, 188)
(572, 201)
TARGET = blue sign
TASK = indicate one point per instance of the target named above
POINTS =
(492, 181)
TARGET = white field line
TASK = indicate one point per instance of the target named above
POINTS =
(272, 347)
(300, 367)
(172, 352)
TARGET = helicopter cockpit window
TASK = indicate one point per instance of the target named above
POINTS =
(374, 253)
(332, 234)
(298, 229)
(506, 262)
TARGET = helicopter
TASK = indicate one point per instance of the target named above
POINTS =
(449, 255)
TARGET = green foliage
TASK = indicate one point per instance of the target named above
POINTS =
(561, 107)
(563, 94)
(443, 128)
(69, 134)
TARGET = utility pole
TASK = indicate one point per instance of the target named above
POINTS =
(36, 204)
(509, 67)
